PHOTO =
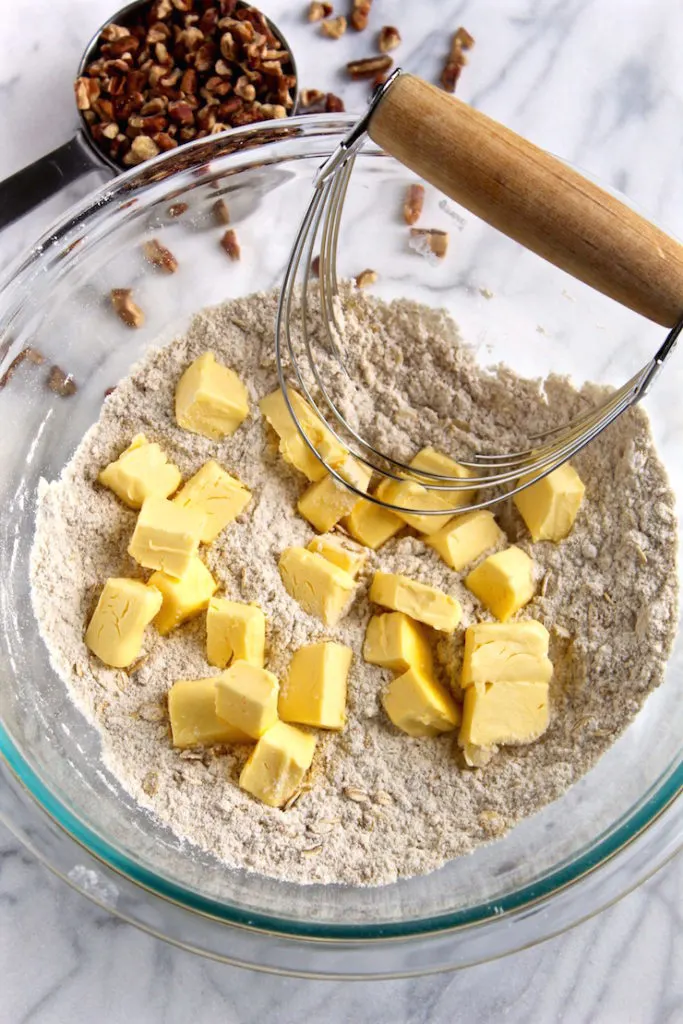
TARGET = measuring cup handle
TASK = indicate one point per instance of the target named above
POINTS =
(532, 197)
(38, 181)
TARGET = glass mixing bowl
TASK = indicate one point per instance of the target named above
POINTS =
(610, 831)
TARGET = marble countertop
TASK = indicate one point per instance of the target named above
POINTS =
(599, 82)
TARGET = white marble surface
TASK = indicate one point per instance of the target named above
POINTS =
(597, 81)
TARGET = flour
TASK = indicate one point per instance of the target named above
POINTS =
(381, 804)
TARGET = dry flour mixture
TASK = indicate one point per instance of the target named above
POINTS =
(380, 805)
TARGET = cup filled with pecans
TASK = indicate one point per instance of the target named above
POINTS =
(160, 74)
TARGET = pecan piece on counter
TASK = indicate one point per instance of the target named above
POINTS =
(221, 212)
(368, 67)
(456, 60)
(360, 13)
(365, 278)
(430, 239)
(230, 244)
(61, 383)
(125, 308)
(160, 256)
(317, 11)
(413, 203)
(389, 38)
(334, 28)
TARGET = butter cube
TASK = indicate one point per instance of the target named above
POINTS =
(395, 641)
(183, 598)
(278, 764)
(315, 690)
(194, 722)
(293, 448)
(235, 631)
(328, 501)
(503, 582)
(420, 601)
(166, 536)
(215, 493)
(210, 399)
(340, 551)
(466, 537)
(504, 712)
(246, 696)
(116, 630)
(419, 706)
(428, 460)
(411, 495)
(141, 471)
(549, 507)
(371, 524)
(321, 588)
(513, 652)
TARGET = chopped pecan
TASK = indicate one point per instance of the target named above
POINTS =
(61, 383)
(431, 240)
(360, 14)
(221, 211)
(177, 209)
(312, 97)
(389, 38)
(125, 308)
(368, 67)
(315, 266)
(230, 244)
(142, 148)
(30, 354)
(413, 203)
(160, 256)
(365, 278)
(456, 61)
(334, 28)
(317, 11)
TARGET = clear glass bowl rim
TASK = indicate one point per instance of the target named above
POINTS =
(660, 799)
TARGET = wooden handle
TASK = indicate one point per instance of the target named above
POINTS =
(532, 197)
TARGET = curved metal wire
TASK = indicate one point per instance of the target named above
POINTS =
(498, 474)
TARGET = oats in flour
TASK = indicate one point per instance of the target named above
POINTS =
(377, 805)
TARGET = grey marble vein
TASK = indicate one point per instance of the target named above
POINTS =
(600, 82)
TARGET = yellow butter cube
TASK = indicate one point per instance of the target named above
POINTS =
(420, 601)
(503, 582)
(411, 495)
(549, 507)
(507, 652)
(183, 598)
(215, 493)
(315, 690)
(321, 588)
(340, 551)
(371, 524)
(504, 712)
(235, 631)
(396, 641)
(293, 448)
(194, 722)
(278, 764)
(141, 471)
(246, 696)
(419, 706)
(328, 501)
(210, 399)
(428, 460)
(166, 536)
(116, 630)
(466, 537)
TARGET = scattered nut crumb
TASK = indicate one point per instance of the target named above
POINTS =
(221, 211)
(368, 67)
(32, 355)
(315, 266)
(125, 308)
(389, 38)
(160, 256)
(230, 244)
(360, 14)
(456, 60)
(434, 239)
(314, 101)
(312, 97)
(359, 796)
(413, 203)
(486, 292)
(317, 11)
(61, 383)
(365, 278)
(177, 209)
(334, 28)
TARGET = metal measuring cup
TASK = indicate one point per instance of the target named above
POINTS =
(32, 185)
